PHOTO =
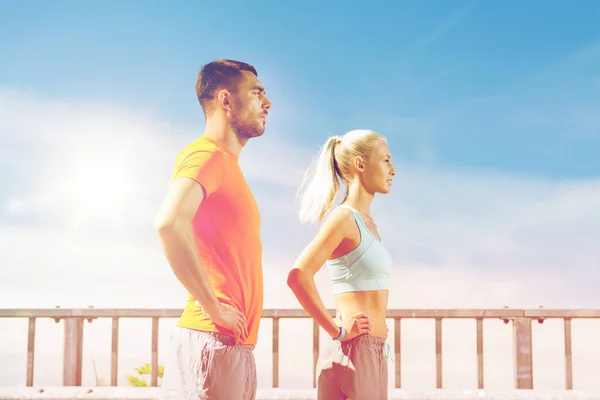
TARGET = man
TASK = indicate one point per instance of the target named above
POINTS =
(209, 228)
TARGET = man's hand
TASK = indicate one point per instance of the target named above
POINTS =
(231, 318)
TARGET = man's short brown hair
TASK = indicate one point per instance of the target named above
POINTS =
(217, 75)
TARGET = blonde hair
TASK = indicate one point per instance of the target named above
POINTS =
(333, 164)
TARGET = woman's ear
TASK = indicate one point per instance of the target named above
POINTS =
(359, 163)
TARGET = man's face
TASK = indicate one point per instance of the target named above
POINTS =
(249, 107)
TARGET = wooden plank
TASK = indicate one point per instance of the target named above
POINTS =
(90, 313)
(480, 353)
(154, 372)
(289, 313)
(30, 351)
(316, 332)
(73, 352)
(523, 356)
(114, 352)
(398, 351)
(454, 313)
(438, 353)
(568, 355)
(299, 313)
(275, 352)
(558, 313)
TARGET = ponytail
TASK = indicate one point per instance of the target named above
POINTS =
(321, 184)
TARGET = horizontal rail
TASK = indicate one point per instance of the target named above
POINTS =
(559, 313)
(125, 393)
(298, 313)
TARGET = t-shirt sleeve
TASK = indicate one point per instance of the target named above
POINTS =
(203, 166)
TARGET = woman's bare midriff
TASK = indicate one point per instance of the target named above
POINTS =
(372, 303)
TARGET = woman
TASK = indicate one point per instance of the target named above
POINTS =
(354, 365)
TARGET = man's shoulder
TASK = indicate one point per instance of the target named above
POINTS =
(202, 144)
(202, 150)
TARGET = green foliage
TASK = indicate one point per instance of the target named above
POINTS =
(135, 381)
(144, 370)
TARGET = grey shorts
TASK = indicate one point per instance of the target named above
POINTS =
(208, 366)
(356, 369)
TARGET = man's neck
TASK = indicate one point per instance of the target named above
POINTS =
(226, 136)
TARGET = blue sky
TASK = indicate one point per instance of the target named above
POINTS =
(488, 77)
(490, 108)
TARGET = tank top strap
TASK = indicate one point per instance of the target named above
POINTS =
(361, 224)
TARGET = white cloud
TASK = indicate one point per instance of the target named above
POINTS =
(14, 206)
(50, 142)
(460, 239)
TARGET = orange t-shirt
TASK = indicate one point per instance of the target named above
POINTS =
(227, 233)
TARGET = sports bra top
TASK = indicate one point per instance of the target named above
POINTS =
(367, 267)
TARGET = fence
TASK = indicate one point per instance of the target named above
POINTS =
(521, 322)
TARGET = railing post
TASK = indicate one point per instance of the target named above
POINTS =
(523, 353)
(480, 375)
(316, 333)
(114, 352)
(73, 352)
(30, 351)
(398, 351)
(275, 352)
(438, 353)
(568, 355)
(154, 362)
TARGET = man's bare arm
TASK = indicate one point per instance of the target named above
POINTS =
(174, 226)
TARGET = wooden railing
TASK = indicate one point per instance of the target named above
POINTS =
(520, 319)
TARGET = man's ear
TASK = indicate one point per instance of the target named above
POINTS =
(224, 99)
